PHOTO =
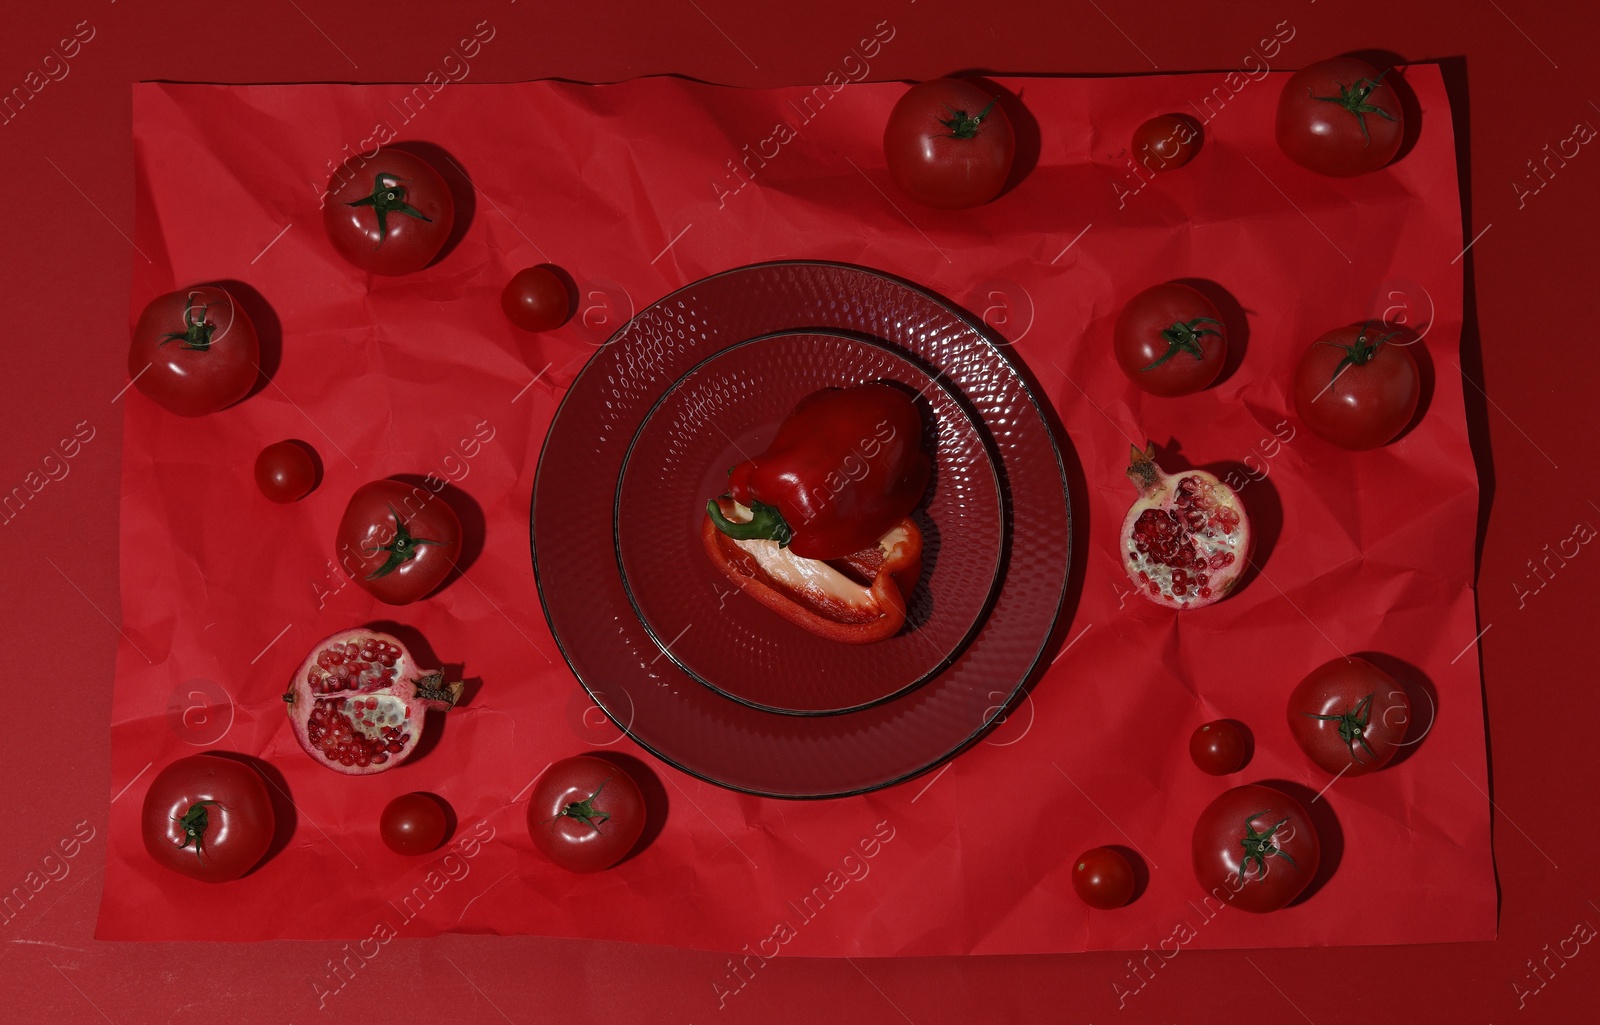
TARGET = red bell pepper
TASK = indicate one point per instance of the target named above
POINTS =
(855, 600)
(846, 465)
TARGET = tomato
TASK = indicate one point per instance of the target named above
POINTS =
(194, 352)
(390, 214)
(1255, 848)
(1103, 878)
(286, 471)
(1349, 716)
(948, 144)
(1218, 747)
(398, 541)
(1356, 389)
(208, 817)
(585, 813)
(1339, 118)
(1165, 142)
(1170, 340)
(536, 299)
(413, 824)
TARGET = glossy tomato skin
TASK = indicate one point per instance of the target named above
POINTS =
(1349, 716)
(1170, 340)
(536, 299)
(1103, 878)
(948, 144)
(194, 351)
(1218, 747)
(1255, 847)
(398, 541)
(208, 817)
(1376, 391)
(585, 813)
(1322, 111)
(285, 472)
(1166, 142)
(390, 214)
(413, 824)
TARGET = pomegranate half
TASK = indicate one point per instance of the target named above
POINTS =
(1186, 540)
(358, 700)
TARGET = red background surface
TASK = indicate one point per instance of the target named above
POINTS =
(384, 375)
(1519, 84)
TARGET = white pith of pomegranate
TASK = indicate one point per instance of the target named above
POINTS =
(1186, 540)
(358, 700)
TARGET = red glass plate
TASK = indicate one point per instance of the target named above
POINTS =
(650, 697)
(726, 410)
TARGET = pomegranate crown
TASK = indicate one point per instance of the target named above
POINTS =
(1142, 469)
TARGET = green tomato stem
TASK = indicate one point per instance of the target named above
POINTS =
(388, 195)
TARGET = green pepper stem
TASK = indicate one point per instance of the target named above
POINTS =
(766, 523)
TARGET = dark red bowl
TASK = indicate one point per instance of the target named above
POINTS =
(650, 697)
(726, 410)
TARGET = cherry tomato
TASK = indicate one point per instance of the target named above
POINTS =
(1349, 716)
(285, 471)
(1165, 142)
(1103, 878)
(948, 144)
(585, 813)
(1339, 118)
(413, 824)
(1255, 848)
(1357, 388)
(208, 817)
(536, 299)
(1170, 340)
(194, 352)
(1218, 747)
(390, 214)
(398, 541)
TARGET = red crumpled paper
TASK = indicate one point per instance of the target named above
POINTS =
(637, 189)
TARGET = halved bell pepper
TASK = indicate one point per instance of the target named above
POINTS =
(855, 600)
(846, 465)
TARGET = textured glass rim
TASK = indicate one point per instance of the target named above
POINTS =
(985, 439)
